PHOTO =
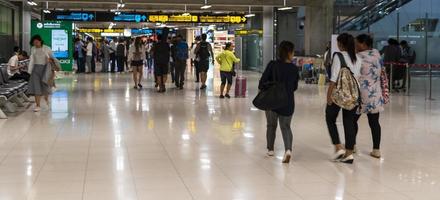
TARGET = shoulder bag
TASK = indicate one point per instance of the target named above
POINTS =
(274, 94)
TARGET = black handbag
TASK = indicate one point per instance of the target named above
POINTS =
(273, 95)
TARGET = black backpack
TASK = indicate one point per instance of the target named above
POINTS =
(203, 52)
(120, 50)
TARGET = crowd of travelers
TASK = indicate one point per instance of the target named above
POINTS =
(358, 79)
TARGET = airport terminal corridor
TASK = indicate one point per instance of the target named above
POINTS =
(103, 139)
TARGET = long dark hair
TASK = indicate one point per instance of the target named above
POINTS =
(347, 41)
(284, 49)
(137, 43)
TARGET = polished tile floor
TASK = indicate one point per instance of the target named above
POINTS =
(103, 140)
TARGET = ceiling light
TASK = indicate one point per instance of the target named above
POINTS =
(285, 6)
(250, 13)
(206, 6)
(31, 3)
(47, 11)
(186, 13)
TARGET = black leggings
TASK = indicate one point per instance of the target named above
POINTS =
(349, 121)
(373, 121)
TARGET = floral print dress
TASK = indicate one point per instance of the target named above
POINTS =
(369, 82)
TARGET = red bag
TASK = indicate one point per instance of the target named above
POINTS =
(240, 86)
(384, 84)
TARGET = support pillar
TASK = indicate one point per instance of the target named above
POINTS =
(26, 27)
(268, 35)
(318, 25)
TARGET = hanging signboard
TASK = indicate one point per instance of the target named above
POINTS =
(70, 16)
(144, 17)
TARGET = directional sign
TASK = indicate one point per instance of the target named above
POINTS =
(139, 17)
(130, 17)
(70, 16)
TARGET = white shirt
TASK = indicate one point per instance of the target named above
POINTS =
(13, 63)
(90, 49)
(354, 67)
(112, 46)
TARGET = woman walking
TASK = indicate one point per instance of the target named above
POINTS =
(287, 74)
(346, 58)
(136, 57)
(226, 60)
(370, 88)
(41, 74)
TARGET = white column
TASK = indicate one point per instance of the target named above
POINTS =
(268, 37)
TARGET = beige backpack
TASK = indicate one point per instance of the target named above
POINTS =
(346, 94)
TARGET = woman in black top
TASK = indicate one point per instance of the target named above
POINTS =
(287, 74)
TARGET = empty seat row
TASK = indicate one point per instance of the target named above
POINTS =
(12, 93)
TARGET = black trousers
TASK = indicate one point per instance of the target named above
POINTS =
(180, 67)
(20, 76)
(349, 121)
(121, 63)
(173, 71)
(196, 67)
(93, 64)
(113, 60)
(376, 130)
(81, 64)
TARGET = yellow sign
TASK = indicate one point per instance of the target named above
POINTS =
(237, 19)
(164, 18)
(248, 32)
(99, 30)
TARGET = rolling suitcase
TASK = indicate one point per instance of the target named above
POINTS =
(240, 86)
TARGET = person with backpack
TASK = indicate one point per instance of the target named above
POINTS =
(344, 80)
(226, 60)
(180, 60)
(203, 53)
(285, 72)
(370, 85)
(161, 54)
(136, 57)
(120, 55)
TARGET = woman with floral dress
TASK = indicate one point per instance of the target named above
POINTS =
(370, 88)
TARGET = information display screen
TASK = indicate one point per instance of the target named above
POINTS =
(60, 47)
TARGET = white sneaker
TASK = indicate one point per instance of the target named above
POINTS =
(37, 109)
(338, 155)
(270, 153)
(287, 156)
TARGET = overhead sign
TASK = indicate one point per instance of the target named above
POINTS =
(100, 30)
(70, 16)
(231, 19)
(163, 18)
(136, 31)
(123, 17)
(248, 32)
(144, 17)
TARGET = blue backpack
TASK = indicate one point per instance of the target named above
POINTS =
(182, 51)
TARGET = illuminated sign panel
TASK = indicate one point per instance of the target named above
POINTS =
(232, 19)
(144, 17)
(100, 30)
(70, 16)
